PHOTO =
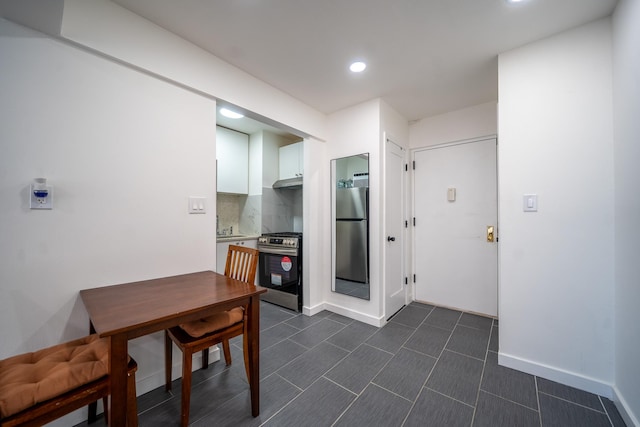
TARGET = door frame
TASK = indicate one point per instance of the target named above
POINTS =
(405, 260)
(412, 190)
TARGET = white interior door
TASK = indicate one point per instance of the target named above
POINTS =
(455, 203)
(395, 289)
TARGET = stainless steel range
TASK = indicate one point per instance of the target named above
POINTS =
(280, 269)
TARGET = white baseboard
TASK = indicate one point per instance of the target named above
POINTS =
(355, 315)
(561, 376)
(625, 410)
(310, 311)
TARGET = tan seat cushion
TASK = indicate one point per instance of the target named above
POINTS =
(218, 321)
(31, 378)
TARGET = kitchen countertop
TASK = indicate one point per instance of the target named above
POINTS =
(236, 237)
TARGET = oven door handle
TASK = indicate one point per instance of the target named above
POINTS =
(278, 251)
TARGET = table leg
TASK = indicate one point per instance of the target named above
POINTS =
(118, 378)
(254, 354)
(93, 406)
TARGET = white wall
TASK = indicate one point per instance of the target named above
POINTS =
(271, 157)
(467, 123)
(355, 130)
(316, 275)
(394, 125)
(351, 131)
(556, 265)
(104, 26)
(123, 152)
(626, 95)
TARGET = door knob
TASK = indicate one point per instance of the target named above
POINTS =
(490, 233)
(391, 239)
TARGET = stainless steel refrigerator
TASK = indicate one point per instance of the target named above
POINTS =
(352, 234)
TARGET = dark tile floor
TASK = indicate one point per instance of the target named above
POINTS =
(428, 366)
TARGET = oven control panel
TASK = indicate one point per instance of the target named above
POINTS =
(287, 242)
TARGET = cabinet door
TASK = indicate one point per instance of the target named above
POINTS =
(232, 153)
(221, 256)
(252, 243)
(291, 161)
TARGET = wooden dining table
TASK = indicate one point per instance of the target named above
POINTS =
(126, 311)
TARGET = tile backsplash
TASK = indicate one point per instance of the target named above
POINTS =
(281, 210)
(228, 208)
(250, 215)
(273, 211)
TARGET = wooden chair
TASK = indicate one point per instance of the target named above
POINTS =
(37, 388)
(219, 328)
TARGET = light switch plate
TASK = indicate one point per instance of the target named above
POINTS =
(530, 203)
(197, 205)
(451, 194)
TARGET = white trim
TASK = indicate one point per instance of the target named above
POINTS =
(624, 408)
(452, 143)
(310, 311)
(404, 254)
(356, 315)
(561, 376)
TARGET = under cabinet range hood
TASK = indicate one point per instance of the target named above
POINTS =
(288, 184)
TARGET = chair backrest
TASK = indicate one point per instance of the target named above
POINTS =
(242, 263)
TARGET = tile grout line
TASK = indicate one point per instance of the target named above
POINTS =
(420, 353)
(465, 355)
(484, 366)
(422, 388)
(385, 365)
(423, 392)
(283, 378)
(605, 410)
(302, 390)
(309, 349)
(348, 406)
(387, 390)
(535, 380)
(509, 400)
(339, 385)
(413, 404)
(402, 346)
(314, 346)
(424, 384)
(371, 383)
(448, 397)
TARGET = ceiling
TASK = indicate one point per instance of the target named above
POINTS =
(425, 57)
(249, 126)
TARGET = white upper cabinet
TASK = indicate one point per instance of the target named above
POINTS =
(291, 161)
(232, 153)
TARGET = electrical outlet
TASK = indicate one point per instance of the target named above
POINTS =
(41, 198)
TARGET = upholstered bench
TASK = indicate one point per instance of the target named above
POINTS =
(39, 387)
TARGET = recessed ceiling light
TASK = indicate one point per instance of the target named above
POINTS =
(230, 114)
(358, 67)
(515, 1)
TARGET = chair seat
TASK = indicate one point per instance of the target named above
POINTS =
(201, 334)
(218, 321)
(32, 378)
